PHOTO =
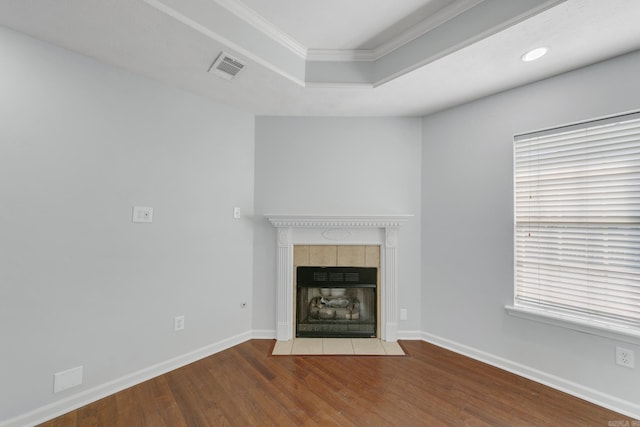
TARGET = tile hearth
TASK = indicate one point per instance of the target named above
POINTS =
(337, 346)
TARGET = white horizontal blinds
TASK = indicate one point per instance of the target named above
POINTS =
(577, 236)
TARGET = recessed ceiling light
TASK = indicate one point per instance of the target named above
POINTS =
(534, 54)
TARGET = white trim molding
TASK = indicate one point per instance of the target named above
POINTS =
(270, 30)
(337, 221)
(575, 323)
(242, 50)
(388, 46)
(259, 40)
(631, 409)
(258, 22)
(379, 230)
(77, 400)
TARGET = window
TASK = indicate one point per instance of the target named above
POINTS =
(577, 223)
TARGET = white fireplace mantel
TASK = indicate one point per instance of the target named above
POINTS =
(379, 230)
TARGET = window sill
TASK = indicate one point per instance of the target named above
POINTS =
(576, 324)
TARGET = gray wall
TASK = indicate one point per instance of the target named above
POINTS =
(80, 284)
(467, 227)
(349, 166)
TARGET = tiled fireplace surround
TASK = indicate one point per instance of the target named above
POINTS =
(350, 235)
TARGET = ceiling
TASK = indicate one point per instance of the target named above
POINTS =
(336, 57)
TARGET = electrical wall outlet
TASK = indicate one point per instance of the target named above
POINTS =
(625, 357)
(67, 379)
(178, 323)
(403, 314)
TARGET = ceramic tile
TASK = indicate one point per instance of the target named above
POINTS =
(337, 346)
(300, 255)
(323, 255)
(282, 348)
(307, 346)
(372, 256)
(392, 348)
(350, 256)
(368, 346)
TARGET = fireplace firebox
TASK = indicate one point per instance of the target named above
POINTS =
(336, 302)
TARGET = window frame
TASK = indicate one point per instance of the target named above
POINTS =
(567, 318)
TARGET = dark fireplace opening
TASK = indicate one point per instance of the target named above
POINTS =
(336, 302)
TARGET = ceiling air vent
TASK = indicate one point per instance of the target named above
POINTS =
(226, 66)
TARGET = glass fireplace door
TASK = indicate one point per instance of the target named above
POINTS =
(336, 302)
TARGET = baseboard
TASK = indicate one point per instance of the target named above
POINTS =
(625, 407)
(78, 400)
(85, 397)
(410, 335)
(263, 334)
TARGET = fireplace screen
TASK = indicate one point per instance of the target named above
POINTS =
(336, 302)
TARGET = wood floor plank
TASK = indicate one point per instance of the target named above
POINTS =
(128, 407)
(245, 386)
(69, 419)
(253, 402)
(200, 398)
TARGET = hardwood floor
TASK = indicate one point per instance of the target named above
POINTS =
(244, 386)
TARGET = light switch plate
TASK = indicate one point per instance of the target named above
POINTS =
(142, 214)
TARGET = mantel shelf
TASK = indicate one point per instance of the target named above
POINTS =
(338, 221)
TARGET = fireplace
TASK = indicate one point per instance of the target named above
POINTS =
(376, 230)
(336, 302)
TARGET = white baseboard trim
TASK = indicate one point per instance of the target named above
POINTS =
(78, 400)
(263, 334)
(85, 397)
(625, 407)
(410, 335)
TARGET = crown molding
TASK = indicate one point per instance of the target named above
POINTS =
(339, 85)
(340, 55)
(169, 11)
(256, 20)
(351, 68)
(259, 23)
(432, 22)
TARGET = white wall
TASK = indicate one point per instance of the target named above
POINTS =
(81, 143)
(467, 231)
(80, 284)
(349, 166)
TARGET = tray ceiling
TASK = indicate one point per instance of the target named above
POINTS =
(357, 58)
